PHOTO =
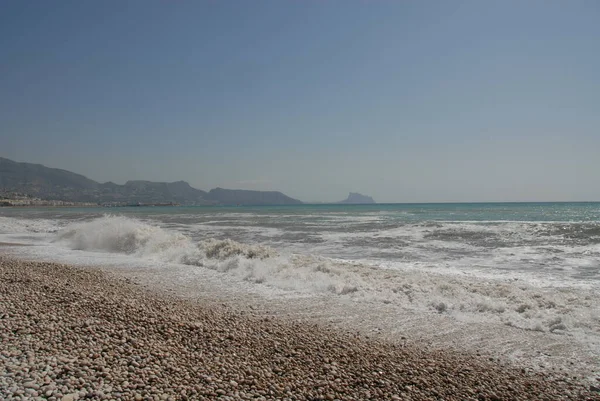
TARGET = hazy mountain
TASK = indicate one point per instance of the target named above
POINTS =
(56, 184)
(356, 198)
(158, 192)
(240, 196)
(37, 176)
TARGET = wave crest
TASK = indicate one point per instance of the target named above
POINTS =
(251, 263)
(225, 249)
(120, 234)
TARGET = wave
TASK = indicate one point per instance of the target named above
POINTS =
(252, 263)
(510, 302)
(120, 234)
(223, 249)
(11, 225)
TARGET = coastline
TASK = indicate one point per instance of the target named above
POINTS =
(71, 332)
(48, 206)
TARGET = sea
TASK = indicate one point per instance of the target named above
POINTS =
(516, 282)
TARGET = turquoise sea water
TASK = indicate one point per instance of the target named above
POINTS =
(542, 211)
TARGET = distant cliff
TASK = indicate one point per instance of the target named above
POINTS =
(356, 198)
(56, 184)
(244, 197)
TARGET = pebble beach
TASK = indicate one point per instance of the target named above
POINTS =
(71, 333)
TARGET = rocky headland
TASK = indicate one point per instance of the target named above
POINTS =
(357, 199)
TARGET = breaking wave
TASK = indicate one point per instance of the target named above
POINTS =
(512, 303)
(252, 263)
(119, 234)
(12, 225)
(223, 249)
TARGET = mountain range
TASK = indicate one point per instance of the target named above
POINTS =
(56, 184)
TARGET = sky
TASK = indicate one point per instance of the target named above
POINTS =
(405, 101)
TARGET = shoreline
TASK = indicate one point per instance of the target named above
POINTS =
(72, 332)
(45, 206)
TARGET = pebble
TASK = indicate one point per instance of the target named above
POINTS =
(70, 397)
(87, 335)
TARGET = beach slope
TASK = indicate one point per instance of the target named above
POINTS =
(73, 333)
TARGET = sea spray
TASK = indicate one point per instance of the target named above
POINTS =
(10, 225)
(509, 303)
(223, 249)
(253, 263)
(120, 234)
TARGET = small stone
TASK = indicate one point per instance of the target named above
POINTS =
(70, 397)
(32, 385)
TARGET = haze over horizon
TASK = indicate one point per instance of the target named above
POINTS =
(402, 101)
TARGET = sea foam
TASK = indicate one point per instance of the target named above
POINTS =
(253, 263)
(508, 302)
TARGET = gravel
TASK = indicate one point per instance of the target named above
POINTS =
(69, 333)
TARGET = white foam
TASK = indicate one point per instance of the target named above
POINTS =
(251, 263)
(12, 225)
(504, 300)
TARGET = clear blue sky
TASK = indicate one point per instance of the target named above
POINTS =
(404, 101)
